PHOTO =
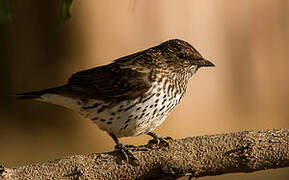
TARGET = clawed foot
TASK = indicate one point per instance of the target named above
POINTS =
(125, 150)
(158, 139)
(126, 153)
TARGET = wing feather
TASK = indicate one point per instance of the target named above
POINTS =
(111, 82)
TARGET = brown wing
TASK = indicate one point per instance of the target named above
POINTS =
(110, 82)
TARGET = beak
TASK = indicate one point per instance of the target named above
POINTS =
(205, 63)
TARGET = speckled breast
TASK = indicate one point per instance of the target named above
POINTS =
(133, 117)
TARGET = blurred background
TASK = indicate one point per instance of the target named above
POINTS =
(247, 90)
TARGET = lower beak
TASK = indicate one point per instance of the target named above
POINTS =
(206, 63)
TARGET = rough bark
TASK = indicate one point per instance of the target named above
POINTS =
(246, 151)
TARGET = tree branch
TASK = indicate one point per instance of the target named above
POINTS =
(246, 151)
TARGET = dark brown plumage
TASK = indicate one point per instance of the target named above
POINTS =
(110, 83)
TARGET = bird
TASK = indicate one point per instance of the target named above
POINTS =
(132, 95)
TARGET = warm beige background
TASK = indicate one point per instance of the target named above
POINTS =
(248, 89)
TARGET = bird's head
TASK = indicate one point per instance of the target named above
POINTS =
(181, 56)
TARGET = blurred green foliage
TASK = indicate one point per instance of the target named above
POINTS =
(66, 10)
(4, 11)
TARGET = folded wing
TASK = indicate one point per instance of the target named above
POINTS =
(110, 82)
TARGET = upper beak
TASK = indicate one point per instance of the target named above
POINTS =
(205, 63)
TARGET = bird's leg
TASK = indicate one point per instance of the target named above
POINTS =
(158, 139)
(124, 149)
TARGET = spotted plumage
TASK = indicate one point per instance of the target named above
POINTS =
(134, 94)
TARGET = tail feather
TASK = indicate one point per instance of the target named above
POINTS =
(38, 94)
(29, 95)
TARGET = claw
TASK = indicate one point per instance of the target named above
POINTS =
(125, 150)
(158, 139)
(126, 153)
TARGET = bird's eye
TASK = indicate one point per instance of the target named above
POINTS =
(182, 55)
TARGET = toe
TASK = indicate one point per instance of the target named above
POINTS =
(164, 141)
(131, 146)
(168, 138)
(126, 153)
